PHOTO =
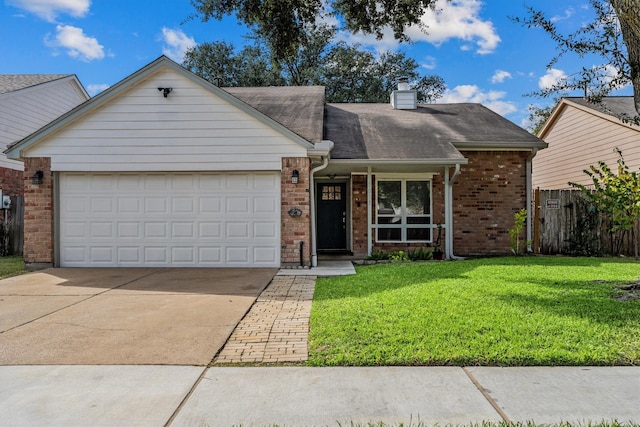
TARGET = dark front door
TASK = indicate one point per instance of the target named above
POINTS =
(332, 216)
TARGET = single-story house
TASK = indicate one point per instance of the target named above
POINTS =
(166, 169)
(580, 133)
(28, 102)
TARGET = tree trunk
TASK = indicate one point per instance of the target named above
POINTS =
(628, 12)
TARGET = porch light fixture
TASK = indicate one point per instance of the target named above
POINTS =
(294, 176)
(165, 90)
(37, 178)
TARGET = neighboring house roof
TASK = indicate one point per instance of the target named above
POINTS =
(13, 82)
(299, 108)
(612, 108)
(433, 131)
(30, 101)
(616, 106)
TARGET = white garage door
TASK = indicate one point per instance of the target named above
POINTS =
(169, 219)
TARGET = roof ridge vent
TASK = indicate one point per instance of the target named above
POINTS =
(404, 98)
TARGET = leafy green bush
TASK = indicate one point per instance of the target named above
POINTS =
(420, 254)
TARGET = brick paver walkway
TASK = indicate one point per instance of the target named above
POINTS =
(276, 329)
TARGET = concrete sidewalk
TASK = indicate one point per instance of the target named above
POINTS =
(297, 396)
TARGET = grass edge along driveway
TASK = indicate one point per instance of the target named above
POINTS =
(512, 311)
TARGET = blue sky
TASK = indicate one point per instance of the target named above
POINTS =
(482, 55)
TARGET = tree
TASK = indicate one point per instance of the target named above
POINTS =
(616, 194)
(348, 72)
(284, 23)
(351, 74)
(614, 35)
(219, 63)
(538, 116)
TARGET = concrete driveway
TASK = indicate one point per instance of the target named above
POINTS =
(123, 316)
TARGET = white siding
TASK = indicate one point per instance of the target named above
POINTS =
(24, 111)
(190, 130)
(577, 140)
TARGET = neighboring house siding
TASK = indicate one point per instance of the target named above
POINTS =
(24, 111)
(192, 129)
(578, 139)
(490, 189)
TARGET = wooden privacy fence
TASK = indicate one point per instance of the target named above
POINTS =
(565, 222)
(12, 228)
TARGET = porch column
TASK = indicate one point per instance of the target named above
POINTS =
(369, 212)
(447, 211)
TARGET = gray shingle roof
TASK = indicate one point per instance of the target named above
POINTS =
(299, 108)
(13, 82)
(377, 131)
(617, 106)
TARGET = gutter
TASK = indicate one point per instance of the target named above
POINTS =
(323, 148)
(528, 189)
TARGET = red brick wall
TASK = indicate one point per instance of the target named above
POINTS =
(11, 182)
(295, 229)
(489, 191)
(38, 213)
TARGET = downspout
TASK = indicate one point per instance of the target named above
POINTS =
(529, 189)
(449, 212)
(312, 210)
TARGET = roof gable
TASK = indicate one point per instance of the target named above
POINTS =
(122, 88)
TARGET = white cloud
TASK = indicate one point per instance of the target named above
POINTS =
(567, 14)
(472, 93)
(77, 44)
(50, 9)
(429, 63)
(176, 43)
(500, 76)
(607, 74)
(550, 79)
(456, 19)
(95, 89)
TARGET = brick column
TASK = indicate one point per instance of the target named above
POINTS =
(359, 215)
(38, 214)
(295, 229)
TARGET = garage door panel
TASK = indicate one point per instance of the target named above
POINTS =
(102, 230)
(264, 255)
(129, 255)
(170, 219)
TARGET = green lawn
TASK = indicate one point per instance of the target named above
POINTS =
(498, 311)
(11, 266)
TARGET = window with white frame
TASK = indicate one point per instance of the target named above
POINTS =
(403, 211)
